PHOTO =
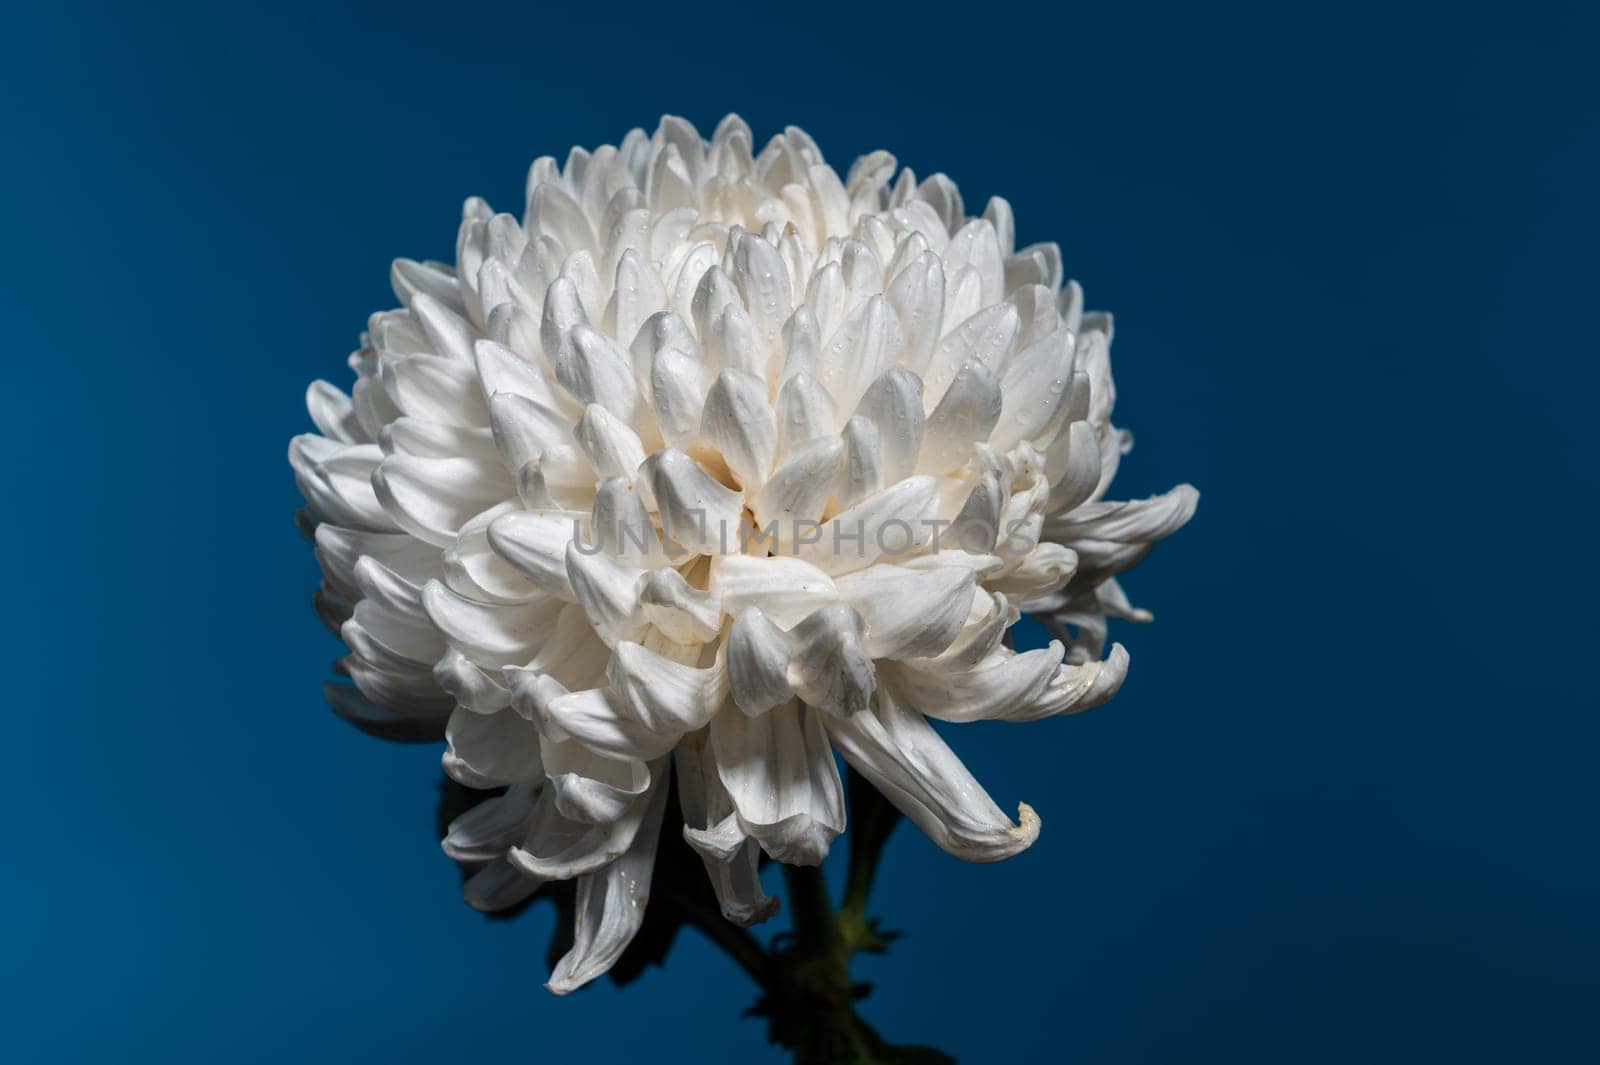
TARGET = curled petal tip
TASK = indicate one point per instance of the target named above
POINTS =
(1027, 829)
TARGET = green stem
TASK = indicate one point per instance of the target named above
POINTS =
(809, 907)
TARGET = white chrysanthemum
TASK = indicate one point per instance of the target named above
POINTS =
(529, 512)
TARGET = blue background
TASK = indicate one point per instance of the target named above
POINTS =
(1345, 804)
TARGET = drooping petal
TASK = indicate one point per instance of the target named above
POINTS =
(599, 720)
(611, 902)
(560, 848)
(706, 804)
(894, 748)
(498, 886)
(781, 776)
(486, 750)
(667, 697)
(1008, 686)
(491, 828)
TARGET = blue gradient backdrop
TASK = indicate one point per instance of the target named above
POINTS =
(1344, 807)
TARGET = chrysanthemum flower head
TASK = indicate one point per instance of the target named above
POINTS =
(716, 459)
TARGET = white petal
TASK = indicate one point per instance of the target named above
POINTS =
(498, 886)
(559, 848)
(1076, 458)
(667, 697)
(780, 773)
(474, 687)
(589, 788)
(798, 489)
(492, 634)
(805, 411)
(917, 295)
(739, 423)
(503, 371)
(679, 611)
(696, 511)
(802, 343)
(662, 331)
(408, 278)
(763, 282)
(998, 212)
(491, 749)
(1035, 389)
(536, 544)
(433, 388)
(552, 211)
(390, 590)
(906, 613)
(1140, 521)
(785, 590)
(595, 370)
(525, 430)
(705, 803)
(475, 570)
(340, 549)
(861, 470)
(987, 621)
(866, 345)
(977, 245)
(411, 693)
(678, 384)
(610, 905)
(1045, 569)
(574, 656)
(334, 414)
(1010, 686)
(389, 640)
(621, 527)
(828, 667)
(608, 591)
(448, 333)
(597, 719)
(893, 404)
(612, 447)
(965, 417)
(433, 498)
(905, 759)
(490, 828)
(412, 436)
(758, 663)
(895, 522)
(336, 480)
